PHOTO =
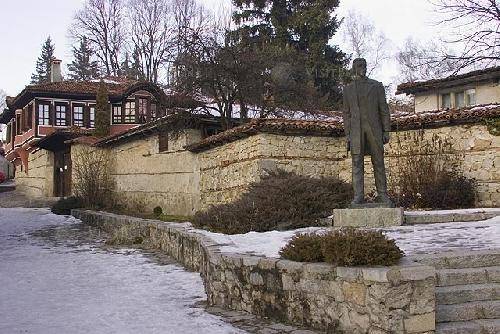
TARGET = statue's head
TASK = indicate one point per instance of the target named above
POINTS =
(359, 67)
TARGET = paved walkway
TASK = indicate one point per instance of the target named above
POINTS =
(15, 199)
(56, 276)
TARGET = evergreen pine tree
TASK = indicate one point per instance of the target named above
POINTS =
(83, 67)
(132, 69)
(43, 63)
(293, 27)
(125, 68)
(136, 70)
(102, 117)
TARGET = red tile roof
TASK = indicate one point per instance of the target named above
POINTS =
(81, 87)
(492, 73)
(400, 121)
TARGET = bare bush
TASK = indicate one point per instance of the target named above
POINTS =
(93, 183)
(428, 174)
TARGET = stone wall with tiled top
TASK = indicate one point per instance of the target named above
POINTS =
(382, 300)
(228, 170)
(38, 180)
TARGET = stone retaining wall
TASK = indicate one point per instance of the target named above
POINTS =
(146, 177)
(38, 181)
(398, 299)
(228, 170)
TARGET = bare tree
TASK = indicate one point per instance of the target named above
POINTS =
(364, 41)
(191, 20)
(101, 22)
(418, 61)
(152, 34)
(475, 28)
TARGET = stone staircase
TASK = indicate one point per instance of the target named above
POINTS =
(467, 292)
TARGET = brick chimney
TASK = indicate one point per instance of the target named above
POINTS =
(55, 71)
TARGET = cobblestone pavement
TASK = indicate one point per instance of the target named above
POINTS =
(15, 199)
(57, 276)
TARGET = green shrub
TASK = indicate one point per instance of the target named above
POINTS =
(64, 205)
(344, 247)
(280, 201)
(303, 248)
(157, 211)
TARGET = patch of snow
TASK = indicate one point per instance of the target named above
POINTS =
(415, 239)
(66, 288)
(257, 243)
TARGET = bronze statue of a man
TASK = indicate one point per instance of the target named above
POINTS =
(367, 125)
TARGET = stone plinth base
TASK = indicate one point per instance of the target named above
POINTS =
(368, 217)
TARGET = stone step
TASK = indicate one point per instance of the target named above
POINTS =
(467, 293)
(448, 216)
(461, 259)
(483, 326)
(468, 311)
(447, 277)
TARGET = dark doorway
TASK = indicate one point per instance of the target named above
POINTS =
(62, 173)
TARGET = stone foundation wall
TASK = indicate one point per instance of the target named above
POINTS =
(399, 299)
(228, 170)
(38, 180)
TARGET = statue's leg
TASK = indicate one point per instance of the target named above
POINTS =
(377, 157)
(358, 182)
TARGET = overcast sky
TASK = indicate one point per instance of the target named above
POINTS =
(25, 24)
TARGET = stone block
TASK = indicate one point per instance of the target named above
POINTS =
(354, 293)
(420, 323)
(368, 217)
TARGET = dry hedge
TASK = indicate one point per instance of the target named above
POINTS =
(280, 201)
(344, 247)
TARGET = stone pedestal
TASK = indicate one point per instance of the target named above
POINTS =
(368, 217)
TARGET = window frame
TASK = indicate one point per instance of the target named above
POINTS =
(117, 118)
(163, 143)
(467, 95)
(129, 112)
(81, 116)
(58, 113)
(91, 116)
(142, 113)
(443, 99)
(40, 114)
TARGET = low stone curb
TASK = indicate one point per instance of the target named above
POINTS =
(413, 218)
(397, 299)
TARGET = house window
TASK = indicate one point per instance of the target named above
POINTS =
(163, 141)
(78, 115)
(142, 110)
(129, 116)
(117, 114)
(470, 97)
(30, 116)
(92, 117)
(60, 115)
(9, 133)
(460, 100)
(153, 111)
(446, 101)
(18, 124)
(43, 114)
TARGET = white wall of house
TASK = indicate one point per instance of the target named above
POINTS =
(484, 93)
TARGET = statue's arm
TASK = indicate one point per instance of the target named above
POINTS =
(346, 112)
(383, 108)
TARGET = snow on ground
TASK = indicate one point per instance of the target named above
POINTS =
(415, 239)
(54, 286)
